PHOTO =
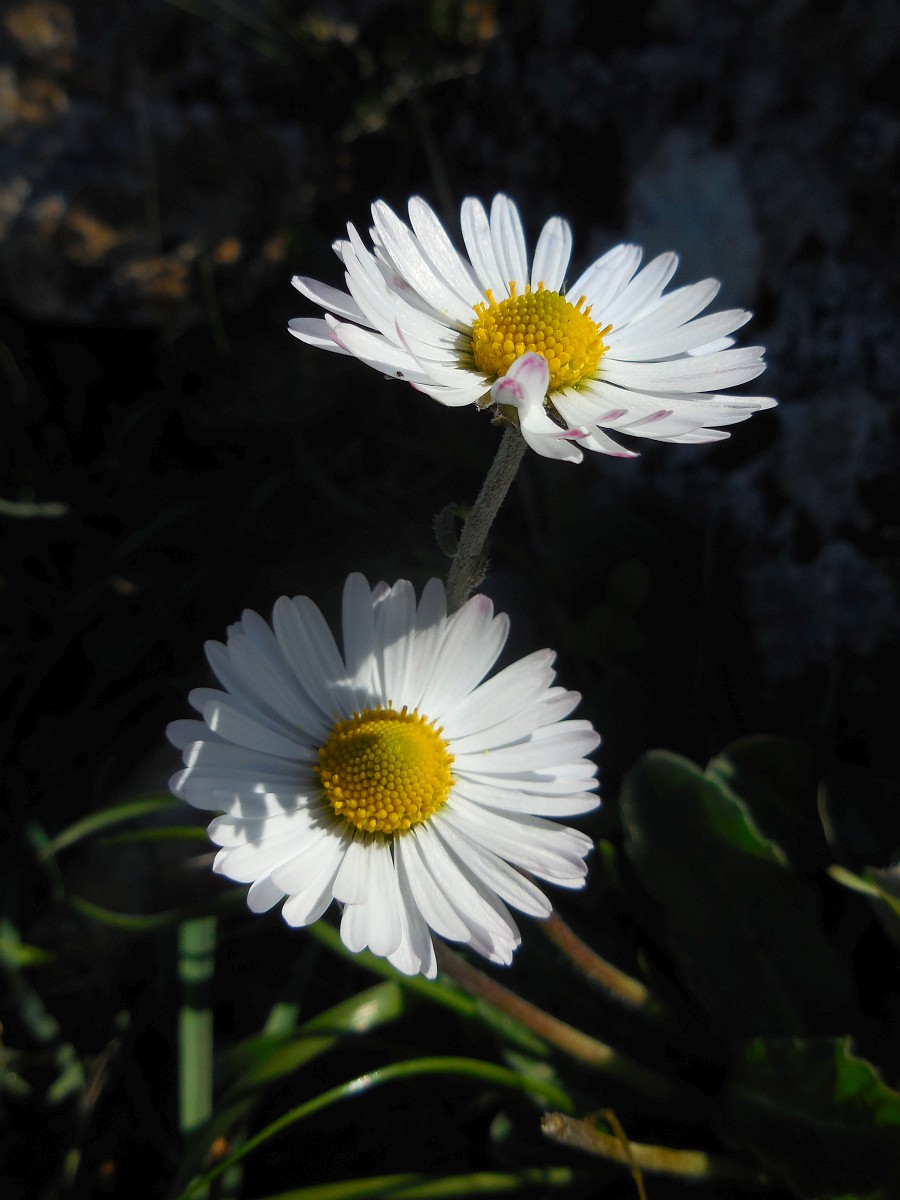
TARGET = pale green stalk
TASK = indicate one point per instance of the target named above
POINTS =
(196, 964)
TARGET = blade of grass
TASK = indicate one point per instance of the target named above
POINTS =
(196, 967)
(103, 819)
(413, 1068)
(170, 833)
(268, 1056)
(416, 1186)
(265, 1058)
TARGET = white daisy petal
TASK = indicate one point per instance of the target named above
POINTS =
(337, 781)
(517, 725)
(524, 386)
(437, 245)
(491, 929)
(509, 884)
(476, 231)
(414, 267)
(263, 894)
(315, 332)
(353, 882)
(551, 255)
(309, 899)
(330, 299)
(374, 922)
(472, 641)
(246, 863)
(521, 683)
(634, 344)
(573, 803)
(699, 438)
(427, 892)
(181, 733)
(378, 353)
(688, 374)
(508, 238)
(358, 625)
(394, 618)
(232, 725)
(453, 397)
(431, 619)
(439, 370)
(599, 442)
(644, 290)
(310, 651)
(669, 312)
(458, 326)
(605, 278)
(415, 954)
(525, 845)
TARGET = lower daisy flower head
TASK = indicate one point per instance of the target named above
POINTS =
(621, 354)
(390, 774)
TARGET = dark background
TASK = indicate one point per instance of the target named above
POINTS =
(170, 455)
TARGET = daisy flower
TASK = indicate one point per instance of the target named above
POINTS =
(621, 354)
(391, 775)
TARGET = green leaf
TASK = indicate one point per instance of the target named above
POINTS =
(266, 1057)
(416, 1186)
(741, 925)
(169, 833)
(861, 815)
(136, 922)
(546, 1094)
(146, 922)
(777, 779)
(818, 1116)
(104, 819)
(883, 890)
(16, 954)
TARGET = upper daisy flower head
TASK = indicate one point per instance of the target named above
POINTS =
(390, 774)
(620, 352)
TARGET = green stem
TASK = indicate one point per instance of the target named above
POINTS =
(466, 570)
(196, 964)
(574, 1042)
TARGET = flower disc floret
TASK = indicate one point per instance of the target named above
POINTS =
(540, 322)
(385, 771)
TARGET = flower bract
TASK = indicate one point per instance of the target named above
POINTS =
(622, 353)
(390, 774)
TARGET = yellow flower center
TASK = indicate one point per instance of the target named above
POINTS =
(543, 322)
(385, 771)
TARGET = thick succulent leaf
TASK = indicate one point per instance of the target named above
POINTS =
(741, 925)
(819, 1117)
(861, 815)
(777, 779)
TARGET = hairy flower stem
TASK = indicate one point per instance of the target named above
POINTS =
(614, 982)
(571, 1041)
(694, 1165)
(467, 566)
